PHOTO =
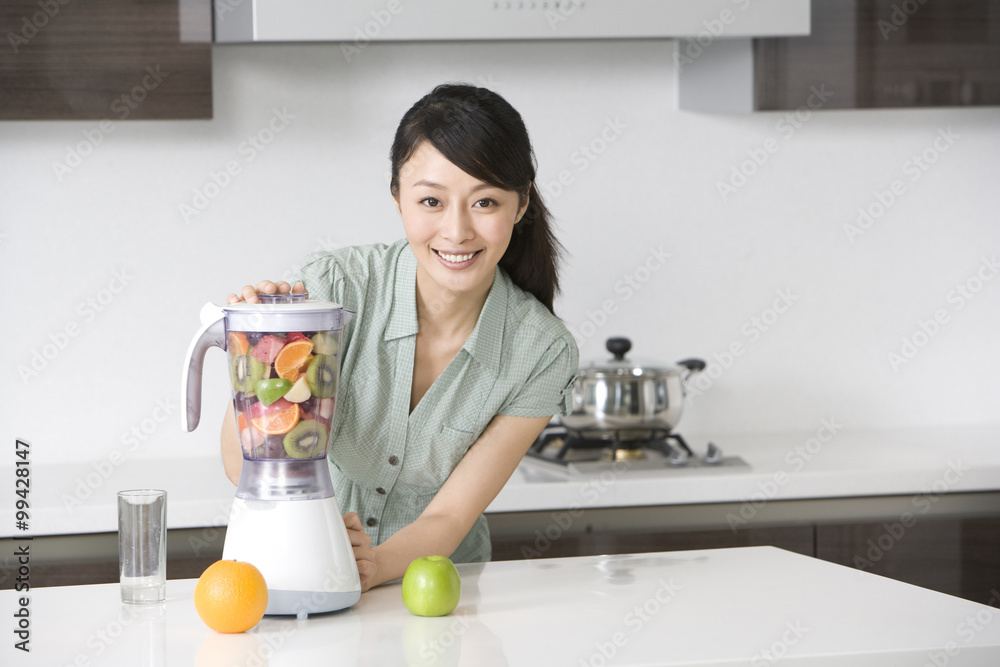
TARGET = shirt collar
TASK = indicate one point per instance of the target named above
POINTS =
(486, 340)
(403, 316)
(484, 343)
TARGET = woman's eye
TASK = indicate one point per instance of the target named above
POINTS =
(486, 202)
(430, 201)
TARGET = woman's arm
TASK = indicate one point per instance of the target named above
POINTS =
(232, 452)
(446, 521)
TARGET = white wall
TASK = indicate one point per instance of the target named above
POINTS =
(322, 181)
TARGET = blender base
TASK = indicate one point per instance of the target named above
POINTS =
(302, 549)
(303, 603)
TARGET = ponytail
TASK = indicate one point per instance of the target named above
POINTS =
(531, 259)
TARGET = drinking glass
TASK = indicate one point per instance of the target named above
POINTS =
(142, 545)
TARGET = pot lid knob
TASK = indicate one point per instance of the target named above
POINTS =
(619, 347)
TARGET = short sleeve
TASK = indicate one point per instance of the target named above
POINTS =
(322, 276)
(548, 390)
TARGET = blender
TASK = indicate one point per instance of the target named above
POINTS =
(284, 367)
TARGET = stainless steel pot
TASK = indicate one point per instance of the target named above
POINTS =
(629, 398)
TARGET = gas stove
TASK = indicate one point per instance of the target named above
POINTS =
(580, 452)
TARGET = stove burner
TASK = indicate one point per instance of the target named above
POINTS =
(618, 445)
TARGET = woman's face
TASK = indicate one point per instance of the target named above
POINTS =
(458, 226)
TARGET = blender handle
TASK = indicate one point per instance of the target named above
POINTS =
(212, 333)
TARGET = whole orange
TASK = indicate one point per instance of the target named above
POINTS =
(230, 596)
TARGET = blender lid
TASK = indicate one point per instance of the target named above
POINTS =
(286, 312)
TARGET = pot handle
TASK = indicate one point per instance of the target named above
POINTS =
(692, 365)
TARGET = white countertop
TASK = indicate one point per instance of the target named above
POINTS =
(724, 607)
(75, 498)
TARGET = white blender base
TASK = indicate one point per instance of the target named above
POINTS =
(302, 549)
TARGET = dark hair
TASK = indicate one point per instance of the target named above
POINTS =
(483, 135)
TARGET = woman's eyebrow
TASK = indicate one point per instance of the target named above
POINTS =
(432, 184)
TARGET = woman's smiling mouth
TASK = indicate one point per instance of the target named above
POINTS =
(456, 260)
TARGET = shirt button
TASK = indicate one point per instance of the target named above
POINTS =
(393, 460)
(380, 491)
(371, 521)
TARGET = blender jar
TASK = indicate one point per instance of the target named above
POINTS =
(284, 378)
(284, 369)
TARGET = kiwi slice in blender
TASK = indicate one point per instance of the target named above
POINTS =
(306, 440)
(246, 371)
(322, 375)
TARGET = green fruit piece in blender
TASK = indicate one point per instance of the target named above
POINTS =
(324, 343)
(307, 440)
(322, 375)
(245, 372)
(268, 391)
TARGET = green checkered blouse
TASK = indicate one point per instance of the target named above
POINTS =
(388, 463)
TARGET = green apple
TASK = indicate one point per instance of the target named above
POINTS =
(268, 391)
(431, 586)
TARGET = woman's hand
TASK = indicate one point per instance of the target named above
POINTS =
(363, 552)
(249, 292)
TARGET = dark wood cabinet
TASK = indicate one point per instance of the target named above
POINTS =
(884, 53)
(106, 60)
(793, 538)
(958, 556)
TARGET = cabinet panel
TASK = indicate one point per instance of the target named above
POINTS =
(959, 557)
(793, 538)
(884, 53)
(105, 59)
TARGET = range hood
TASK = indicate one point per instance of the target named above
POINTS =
(717, 33)
(378, 20)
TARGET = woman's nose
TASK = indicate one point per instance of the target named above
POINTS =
(457, 224)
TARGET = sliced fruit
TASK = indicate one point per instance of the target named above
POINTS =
(267, 349)
(241, 422)
(326, 407)
(251, 439)
(242, 403)
(322, 375)
(294, 336)
(273, 448)
(293, 358)
(307, 440)
(246, 371)
(325, 343)
(270, 390)
(238, 342)
(276, 419)
(299, 392)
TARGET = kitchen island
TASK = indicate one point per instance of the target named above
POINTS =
(755, 606)
(840, 495)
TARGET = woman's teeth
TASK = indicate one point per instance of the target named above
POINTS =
(457, 259)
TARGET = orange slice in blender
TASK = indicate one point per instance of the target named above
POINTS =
(277, 422)
(293, 358)
(238, 343)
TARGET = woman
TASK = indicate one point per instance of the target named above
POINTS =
(455, 361)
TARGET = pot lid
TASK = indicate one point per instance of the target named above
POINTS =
(620, 366)
(286, 312)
